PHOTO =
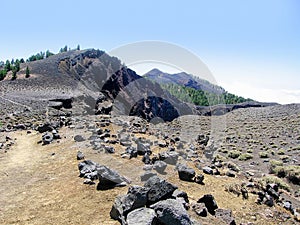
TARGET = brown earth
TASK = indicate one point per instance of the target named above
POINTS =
(40, 185)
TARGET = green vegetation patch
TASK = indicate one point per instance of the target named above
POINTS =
(275, 180)
(245, 157)
(200, 97)
(234, 154)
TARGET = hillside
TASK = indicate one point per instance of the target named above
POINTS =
(86, 140)
(183, 79)
(92, 80)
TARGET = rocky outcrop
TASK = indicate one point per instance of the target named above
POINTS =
(155, 203)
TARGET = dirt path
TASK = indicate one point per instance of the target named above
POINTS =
(40, 187)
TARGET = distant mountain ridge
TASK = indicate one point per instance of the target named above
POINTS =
(183, 79)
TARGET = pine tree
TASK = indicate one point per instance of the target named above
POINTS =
(78, 47)
(7, 65)
(14, 76)
(27, 72)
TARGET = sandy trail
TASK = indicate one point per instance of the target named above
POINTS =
(39, 187)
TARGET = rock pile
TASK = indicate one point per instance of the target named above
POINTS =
(108, 178)
(154, 203)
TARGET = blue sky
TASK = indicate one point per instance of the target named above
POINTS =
(251, 47)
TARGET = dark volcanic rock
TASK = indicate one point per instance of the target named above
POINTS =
(152, 107)
(225, 215)
(142, 216)
(169, 157)
(200, 209)
(147, 175)
(199, 179)
(109, 149)
(172, 212)
(143, 148)
(79, 138)
(146, 159)
(44, 128)
(47, 138)
(110, 178)
(160, 166)
(159, 189)
(207, 170)
(185, 173)
(131, 151)
(80, 155)
(134, 199)
(87, 167)
(117, 210)
(209, 202)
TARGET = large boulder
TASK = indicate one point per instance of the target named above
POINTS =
(117, 210)
(172, 212)
(142, 216)
(134, 199)
(158, 189)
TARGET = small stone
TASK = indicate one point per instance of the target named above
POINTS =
(208, 170)
(79, 138)
(80, 155)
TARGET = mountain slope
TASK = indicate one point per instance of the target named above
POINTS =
(183, 79)
(96, 83)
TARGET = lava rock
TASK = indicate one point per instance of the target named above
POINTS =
(209, 202)
(142, 216)
(117, 211)
(186, 174)
(225, 215)
(268, 200)
(109, 149)
(160, 166)
(47, 138)
(109, 178)
(180, 194)
(169, 157)
(172, 212)
(146, 159)
(143, 148)
(158, 189)
(230, 173)
(87, 167)
(79, 138)
(46, 127)
(208, 170)
(200, 209)
(132, 152)
(147, 175)
(80, 155)
(199, 179)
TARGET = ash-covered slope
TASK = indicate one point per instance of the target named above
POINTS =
(95, 82)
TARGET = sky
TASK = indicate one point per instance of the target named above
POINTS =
(251, 47)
